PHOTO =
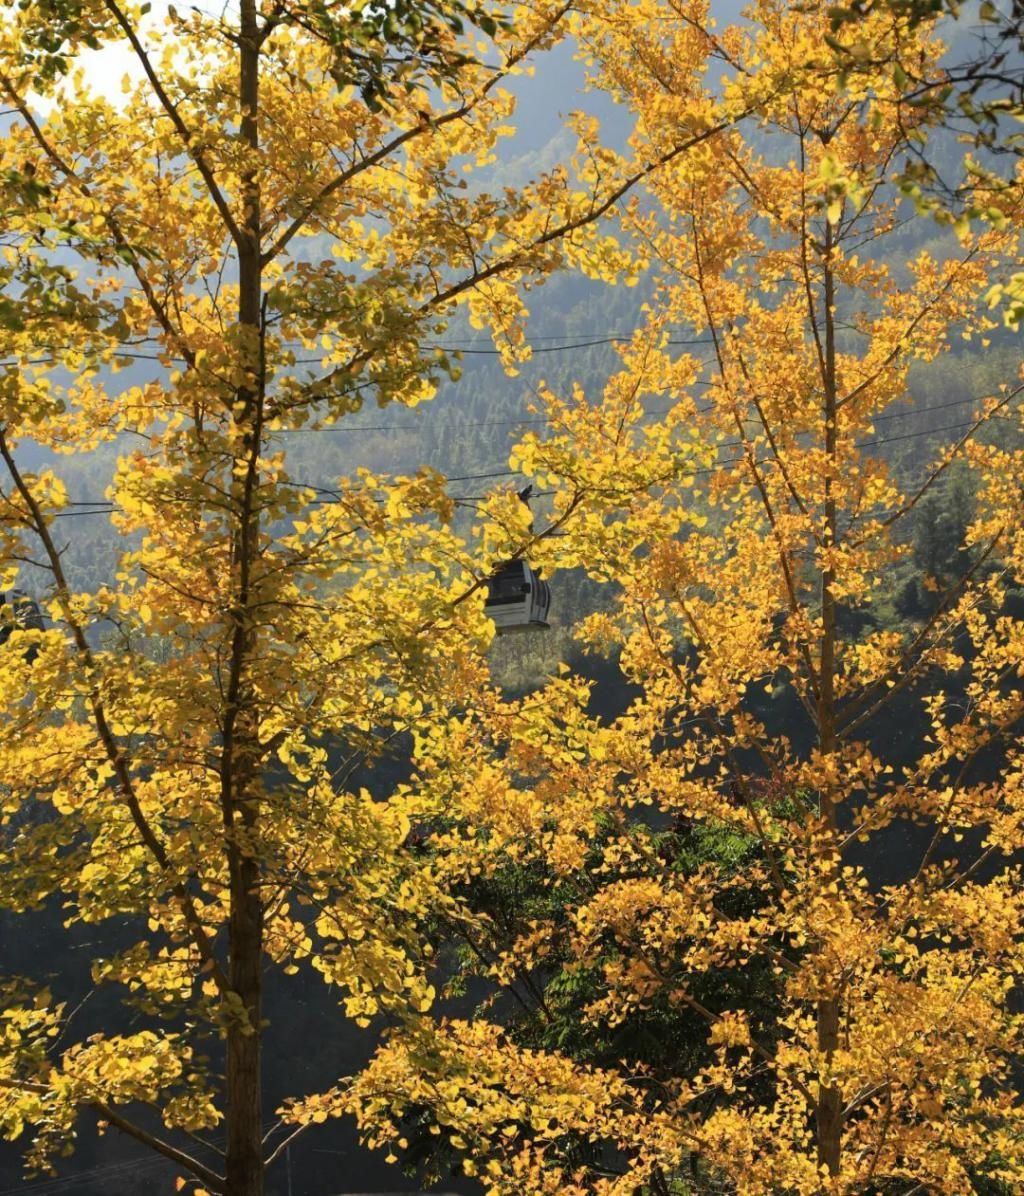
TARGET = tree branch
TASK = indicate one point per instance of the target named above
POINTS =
(595, 211)
(209, 1177)
(114, 752)
(120, 239)
(109, 1113)
(186, 135)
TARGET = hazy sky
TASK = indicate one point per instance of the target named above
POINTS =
(104, 69)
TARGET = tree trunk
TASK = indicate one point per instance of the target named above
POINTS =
(239, 766)
(828, 1114)
(244, 1164)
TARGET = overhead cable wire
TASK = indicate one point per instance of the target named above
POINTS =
(550, 336)
(98, 507)
(91, 1176)
(614, 339)
(102, 1172)
(604, 340)
(732, 444)
(461, 424)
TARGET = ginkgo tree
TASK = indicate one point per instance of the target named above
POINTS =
(282, 182)
(870, 772)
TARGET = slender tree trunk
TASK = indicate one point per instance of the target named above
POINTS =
(829, 1104)
(244, 1168)
(239, 773)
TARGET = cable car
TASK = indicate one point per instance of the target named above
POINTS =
(25, 616)
(517, 599)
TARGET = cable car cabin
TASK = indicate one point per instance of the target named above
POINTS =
(517, 599)
(26, 617)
